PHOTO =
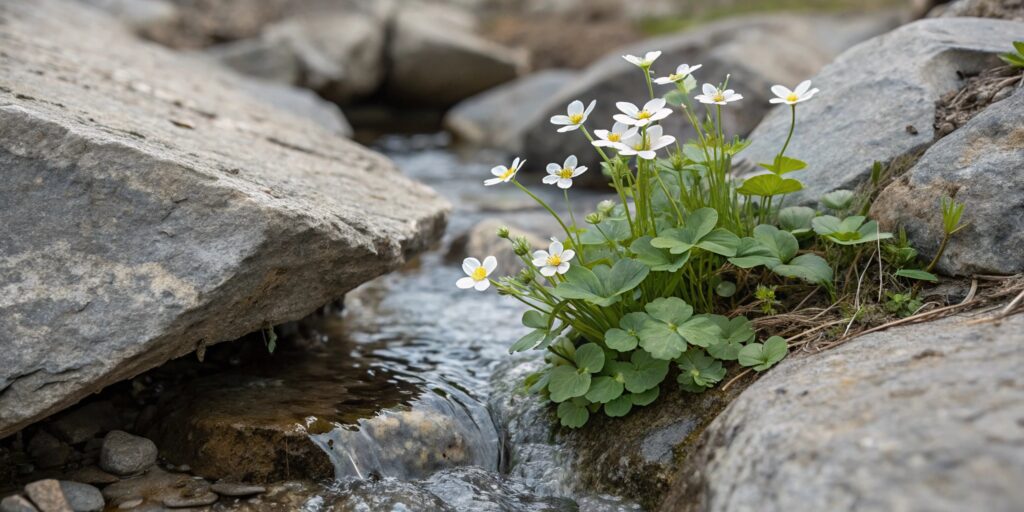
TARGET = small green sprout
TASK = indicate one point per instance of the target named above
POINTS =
(901, 304)
(766, 296)
(1015, 57)
(952, 211)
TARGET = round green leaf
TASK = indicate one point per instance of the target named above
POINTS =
(619, 407)
(572, 415)
(603, 390)
(566, 382)
(646, 397)
(590, 358)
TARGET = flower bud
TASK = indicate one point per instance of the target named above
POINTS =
(605, 207)
(525, 276)
(503, 232)
(521, 246)
(594, 218)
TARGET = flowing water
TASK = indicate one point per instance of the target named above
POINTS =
(460, 437)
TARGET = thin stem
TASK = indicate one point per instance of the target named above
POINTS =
(650, 88)
(572, 217)
(792, 126)
(545, 205)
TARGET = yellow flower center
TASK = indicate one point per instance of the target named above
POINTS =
(643, 114)
(554, 260)
(792, 98)
(508, 173)
(675, 77)
(719, 96)
(565, 173)
(576, 118)
(479, 274)
(614, 137)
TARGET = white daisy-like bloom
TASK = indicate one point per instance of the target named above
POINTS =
(644, 62)
(477, 273)
(715, 96)
(652, 111)
(553, 261)
(562, 175)
(504, 174)
(611, 138)
(803, 92)
(645, 146)
(575, 116)
(681, 72)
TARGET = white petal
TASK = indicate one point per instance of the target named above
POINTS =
(604, 143)
(602, 134)
(469, 265)
(492, 181)
(654, 105)
(661, 114)
(802, 88)
(647, 155)
(498, 170)
(563, 267)
(490, 263)
(624, 119)
(576, 107)
(516, 164)
(568, 254)
(703, 99)
(709, 90)
(547, 271)
(579, 170)
(780, 91)
(465, 282)
(540, 262)
(776, 100)
(663, 80)
(619, 128)
(540, 254)
(553, 168)
(627, 108)
(569, 128)
(564, 182)
(629, 134)
(556, 247)
(590, 108)
(549, 179)
(810, 94)
(632, 59)
(560, 120)
(570, 162)
(482, 285)
(652, 56)
(655, 132)
(734, 97)
(695, 68)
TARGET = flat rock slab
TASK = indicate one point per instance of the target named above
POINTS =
(927, 417)
(982, 163)
(150, 208)
(877, 101)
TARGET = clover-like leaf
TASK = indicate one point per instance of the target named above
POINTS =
(568, 382)
(733, 333)
(660, 260)
(573, 413)
(624, 337)
(602, 286)
(796, 219)
(849, 231)
(766, 185)
(809, 267)
(619, 407)
(838, 200)
(641, 373)
(698, 231)
(760, 357)
(604, 389)
(646, 397)
(589, 358)
(529, 341)
(699, 330)
(750, 253)
(784, 164)
(615, 229)
(698, 371)
(781, 244)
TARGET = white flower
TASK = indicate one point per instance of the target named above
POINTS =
(611, 138)
(554, 260)
(681, 72)
(645, 146)
(477, 273)
(715, 96)
(645, 62)
(563, 174)
(504, 174)
(653, 110)
(576, 116)
(803, 92)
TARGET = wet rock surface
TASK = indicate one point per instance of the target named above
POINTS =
(860, 118)
(923, 417)
(980, 165)
(213, 195)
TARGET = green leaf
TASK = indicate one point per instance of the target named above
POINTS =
(838, 199)
(796, 219)
(720, 241)
(646, 397)
(920, 275)
(669, 310)
(760, 357)
(659, 260)
(766, 185)
(582, 283)
(619, 407)
(615, 228)
(590, 358)
(698, 372)
(781, 244)
(603, 390)
(694, 153)
(535, 319)
(784, 164)
(735, 330)
(809, 267)
(725, 350)
(674, 97)
(601, 286)
(700, 331)
(640, 373)
(566, 382)
(625, 275)
(527, 342)
(725, 289)
(661, 340)
(624, 338)
(752, 253)
(849, 231)
(572, 414)
(700, 222)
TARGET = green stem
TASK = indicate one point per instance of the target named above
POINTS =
(545, 205)
(575, 227)
(792, 126)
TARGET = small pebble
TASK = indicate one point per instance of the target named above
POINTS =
(237, 490)
(194, 501)
(125, 454)
(48, 496)
(17, 504)
(132, 503)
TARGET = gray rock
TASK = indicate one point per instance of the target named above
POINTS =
(47, 451)
(983, 164)
(85, 422)
(1003, 9)
(259, 58)
(758, 51)
(140, 15)
(15, 503)
(861, 117)
(93, 475)
(499, 117)
(151, 209)
(482, 240)
(199, 500)
(436, 61)
(154, 486)
(916, 418)
(237, 490)
(47, 496)
(82, 497)
(125, 454)
(300, 102)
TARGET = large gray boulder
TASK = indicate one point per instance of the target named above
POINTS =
(151, 209)
(758, 51)
(877, 100)
(497, 118)
(917, 418)
(982, 163)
